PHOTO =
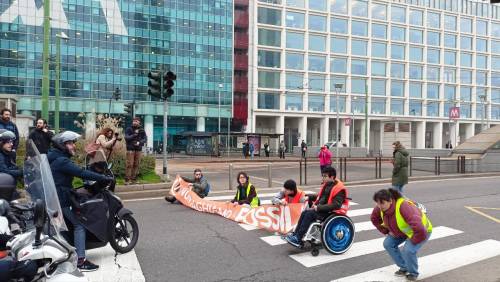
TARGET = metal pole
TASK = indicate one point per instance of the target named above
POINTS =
(337, 131)
(300, 170)
(230, 176)
(353, 144)
(228, 135)
(45, 60)
(269, 175)
(366, 120)
(305, 171)
(218, 132)
(165, 132)
(58, 83)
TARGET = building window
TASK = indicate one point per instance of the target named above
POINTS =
(317, 63)
(338, 6)
(268, 101)
(495, 29)
(358, 85)
(416, 72)
(269, 79)
(379, 50)
(450, 58)
(338, 25)
(317, 43)
(379, 11)
(466, 25)
(433, 56)
(293, 102)
(294, 61)
(416, 17)
(398, 14)
(378, 68)
(359, 8)
(338, 80)
(466, 94)
(466, 60)
(338, 45)
(397, 106)
(450, 40)
(450, 22)
(397, 70)
(295, 40)
(339, 65)
(416, 36)
(433, 91)
(397, 88)
(359, 28)
(358, 47)
(295, 20)
(333, 103)
(481, 78)
(378, 87)
(358, 67)
(481, 27)
(495, 79)
(269, 37)
(415, 90)
(495, 47)
(465, 110)
(295, 3)
(433, 38)
(495, 63)
(294, 81)
(433, 20)
(316, 103)
(358, 105)
(449, 92)
(481, 45)
(495, 112)
(398, 33)
(397, 52)
(481, 61)
(269, 16)
(316, 83)
(415, 107)
(378, 106)
(269, 59)
(432, 108)
(449, 75)
(465, 43)
(319, 5)
(416, 54)
(433, 73)
(379, 31)
(317, 23)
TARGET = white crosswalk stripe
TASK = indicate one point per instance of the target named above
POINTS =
(435, 264)
(362, 248)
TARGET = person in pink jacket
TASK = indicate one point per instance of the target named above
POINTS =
(325, 158)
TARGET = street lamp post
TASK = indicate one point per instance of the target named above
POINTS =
(59, 36)
(338, 87)
(45, 60)
(218, 132)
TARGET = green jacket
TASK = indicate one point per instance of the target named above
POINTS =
(400, 170)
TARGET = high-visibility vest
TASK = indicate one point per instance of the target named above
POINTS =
(296, 198)
(255, 201)
(339, 186)
(401, 222)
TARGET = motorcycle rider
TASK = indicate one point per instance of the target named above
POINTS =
(63, 170)
(6, 164)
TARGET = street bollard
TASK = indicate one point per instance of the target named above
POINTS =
(435, 165)
(459, 165)
(376, 167)
(300, 171)
(410, 167)
(269, 175)
(463, 164)
(230, 176)
(305, 171)
(341, 170)
(439, 165)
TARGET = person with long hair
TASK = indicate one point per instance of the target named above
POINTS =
(246, 194)
(402, 222)
(106, 139)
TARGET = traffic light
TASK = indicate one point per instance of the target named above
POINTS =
(129, 109)
(168, 84)
(154, 85)
(117, 94)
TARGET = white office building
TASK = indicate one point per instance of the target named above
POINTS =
(406, 62)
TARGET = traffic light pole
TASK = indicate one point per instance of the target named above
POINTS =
(165, 137)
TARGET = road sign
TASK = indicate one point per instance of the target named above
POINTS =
(454, 113)
(348, 121)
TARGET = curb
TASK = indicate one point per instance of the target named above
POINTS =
(271, 160)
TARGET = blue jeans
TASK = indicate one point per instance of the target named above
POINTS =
(407, 258)
(78, 232)
(398, 187)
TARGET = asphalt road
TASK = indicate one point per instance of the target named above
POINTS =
(180, 244)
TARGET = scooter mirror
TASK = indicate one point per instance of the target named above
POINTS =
(39, 213)
(110, 166)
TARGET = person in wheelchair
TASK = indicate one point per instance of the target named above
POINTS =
(331, 198)
(290, 194)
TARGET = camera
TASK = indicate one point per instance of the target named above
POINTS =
(116, 136)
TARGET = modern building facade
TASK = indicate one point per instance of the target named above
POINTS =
(402, 65)
(114, 44)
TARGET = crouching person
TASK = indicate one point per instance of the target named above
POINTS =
(290, 194)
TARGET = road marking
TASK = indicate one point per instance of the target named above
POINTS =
(265, 179)
(360, 212)
(362, 248)
(248, 227)
(275, 240)
(476, 210)
(435, 264)
(261, 196)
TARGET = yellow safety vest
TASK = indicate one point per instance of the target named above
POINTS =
(255, 201)
(401, 222)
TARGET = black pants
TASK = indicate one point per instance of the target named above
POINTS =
(303, 154)
(306, 218)
(282, 154)
(267, 154)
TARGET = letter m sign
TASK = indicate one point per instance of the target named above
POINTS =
(454, 113)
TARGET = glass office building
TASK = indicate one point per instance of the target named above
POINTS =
(114, 44)
(404, 62)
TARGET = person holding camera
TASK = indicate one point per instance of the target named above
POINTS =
(107, 139)
(41, 136)
(135, 138)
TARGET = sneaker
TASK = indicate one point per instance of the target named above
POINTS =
(293, 240)
(170, 199)
(401, 272)
(87, 266)
(411, 277)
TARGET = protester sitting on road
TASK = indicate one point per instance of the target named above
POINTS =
(246, 194)
(6, 163)
(332, 196)
(199, 185)
(402, 221)
(290, 194)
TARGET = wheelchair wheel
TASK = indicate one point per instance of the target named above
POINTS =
(337, 234)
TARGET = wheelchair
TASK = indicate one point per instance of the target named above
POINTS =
(335, 234)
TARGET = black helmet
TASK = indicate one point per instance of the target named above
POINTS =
(6, 135)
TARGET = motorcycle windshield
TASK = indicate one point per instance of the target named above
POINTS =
(39, 184)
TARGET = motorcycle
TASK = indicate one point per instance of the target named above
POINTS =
(102, 213)
(55, 259)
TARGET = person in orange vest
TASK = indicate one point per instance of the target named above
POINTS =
(332, 197)
(290, 194)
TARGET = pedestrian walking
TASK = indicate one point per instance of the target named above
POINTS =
(282, 149)
(303, 148)
(400, 166)
(251, 149)
(7, 124)
(402, 222)
(325, 158)
(245, 150)
(266, 149)
(41, 136)
(135, 137)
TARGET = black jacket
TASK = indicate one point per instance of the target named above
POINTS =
(63, 170)
(7, 166)
(338, 200)
(134, 135)
(41, 139)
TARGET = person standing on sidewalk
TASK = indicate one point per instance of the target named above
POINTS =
(402, 222)
(400, 166)
(251, 149)
(303, 148)
(266, 149)
(325, 158)
(41, 136)
(135, 138)
(282, 149)
(7, 124)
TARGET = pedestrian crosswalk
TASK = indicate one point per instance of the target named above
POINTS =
(430, 265)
